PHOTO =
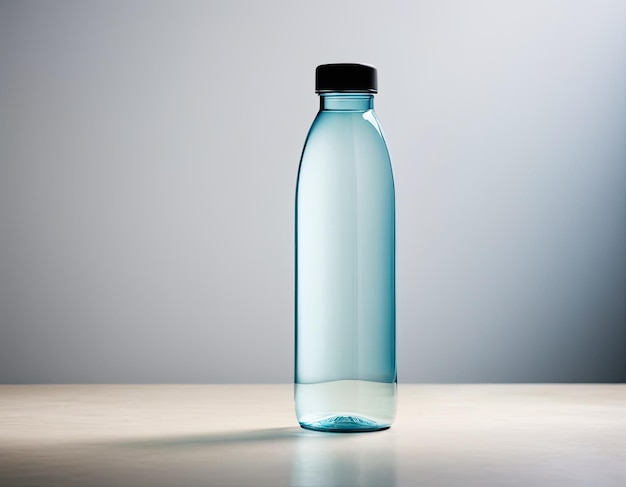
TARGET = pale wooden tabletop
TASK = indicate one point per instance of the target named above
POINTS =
(247, 435)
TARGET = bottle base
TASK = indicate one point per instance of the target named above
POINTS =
(346, 405)
(345, 423)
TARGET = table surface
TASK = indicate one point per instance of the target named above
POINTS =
(240, 435)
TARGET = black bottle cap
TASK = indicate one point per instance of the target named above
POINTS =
(346, 77)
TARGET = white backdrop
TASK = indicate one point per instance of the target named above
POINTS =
(148, 158)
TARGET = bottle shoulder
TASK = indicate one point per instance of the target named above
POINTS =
(332, 120)
(340, 128)
(344, 146)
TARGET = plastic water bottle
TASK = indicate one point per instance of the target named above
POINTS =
(345, 370)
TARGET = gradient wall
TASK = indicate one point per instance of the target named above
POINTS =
(148, 158)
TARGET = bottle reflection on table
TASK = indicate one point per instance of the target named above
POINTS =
(331, 459)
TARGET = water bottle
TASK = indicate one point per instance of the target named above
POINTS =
(345, 350)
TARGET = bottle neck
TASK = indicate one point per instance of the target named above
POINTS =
(346, 102)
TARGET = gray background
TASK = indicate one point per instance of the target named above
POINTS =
(148, 158)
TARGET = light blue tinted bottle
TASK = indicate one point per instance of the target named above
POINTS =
(345, 367)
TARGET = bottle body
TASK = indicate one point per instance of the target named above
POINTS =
(345, 369)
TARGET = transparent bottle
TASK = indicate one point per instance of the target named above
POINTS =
(345, 366)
